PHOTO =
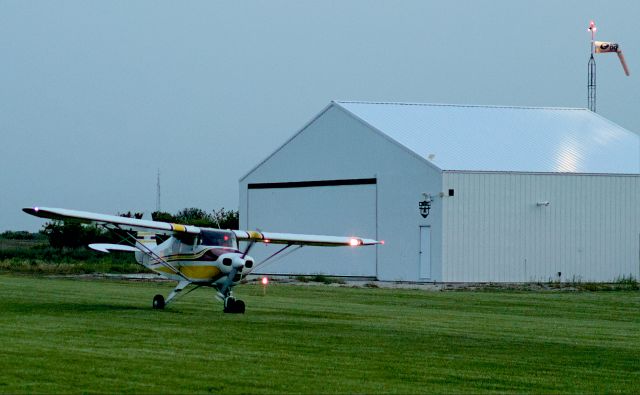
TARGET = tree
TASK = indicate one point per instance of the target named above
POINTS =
(162, 216)
(226, 219)
(70, 234)
(129, 215)
(223, 219)
(18, 235)
(194, 216)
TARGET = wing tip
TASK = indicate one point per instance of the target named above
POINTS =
(32, 210)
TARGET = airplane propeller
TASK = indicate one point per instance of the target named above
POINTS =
(235, 266)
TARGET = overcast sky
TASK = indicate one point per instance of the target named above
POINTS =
(95, 96)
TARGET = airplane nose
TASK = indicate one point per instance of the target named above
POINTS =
(238, 263)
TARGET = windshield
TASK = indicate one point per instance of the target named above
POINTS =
(218, 238)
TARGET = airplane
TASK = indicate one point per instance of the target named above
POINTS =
(191, 255)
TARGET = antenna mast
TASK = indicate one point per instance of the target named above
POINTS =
(158, 192)
(591, 71)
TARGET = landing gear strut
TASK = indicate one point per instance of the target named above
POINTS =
(233, 305)
(158, 301)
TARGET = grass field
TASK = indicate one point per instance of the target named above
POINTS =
(72, 336)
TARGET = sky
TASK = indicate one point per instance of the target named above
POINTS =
(96, 97)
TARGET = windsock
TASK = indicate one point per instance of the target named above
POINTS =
(605, 47)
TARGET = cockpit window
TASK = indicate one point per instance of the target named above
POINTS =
(218, 238)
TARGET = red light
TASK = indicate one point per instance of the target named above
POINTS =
(382, 242)
(226, 238)
(265, 281)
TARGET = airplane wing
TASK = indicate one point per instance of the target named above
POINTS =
(125, 223)
(134, 224)
(301, 239)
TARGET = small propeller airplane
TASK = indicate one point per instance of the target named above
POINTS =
(191, 255)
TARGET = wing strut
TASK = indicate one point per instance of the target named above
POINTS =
(145, 249)
(297, 247)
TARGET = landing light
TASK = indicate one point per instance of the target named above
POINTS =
(355, 242)
(265, 281)
(266, 241)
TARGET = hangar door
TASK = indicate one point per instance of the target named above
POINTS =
(328, 207)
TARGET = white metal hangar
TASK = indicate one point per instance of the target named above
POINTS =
(458, 194)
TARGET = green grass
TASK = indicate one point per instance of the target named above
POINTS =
(72, 336)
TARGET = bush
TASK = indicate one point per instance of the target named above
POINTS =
(223, 219)
(20, 235)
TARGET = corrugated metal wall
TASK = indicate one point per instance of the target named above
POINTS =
(496, 230)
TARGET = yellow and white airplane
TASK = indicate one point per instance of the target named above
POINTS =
(192, 255)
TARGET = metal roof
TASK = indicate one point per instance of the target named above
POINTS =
(492, 138)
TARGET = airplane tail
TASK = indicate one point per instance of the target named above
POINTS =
(148, 241)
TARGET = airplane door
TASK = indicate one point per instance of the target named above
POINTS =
(425, 252)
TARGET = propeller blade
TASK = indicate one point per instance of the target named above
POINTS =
(229, 281)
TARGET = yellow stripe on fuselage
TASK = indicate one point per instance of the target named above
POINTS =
(196, 273)
(181, 257)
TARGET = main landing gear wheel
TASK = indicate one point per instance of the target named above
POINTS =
(234, 306)
(158, 302)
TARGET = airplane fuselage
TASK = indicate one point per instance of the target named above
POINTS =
(207, 258)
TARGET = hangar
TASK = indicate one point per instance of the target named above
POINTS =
(459, 193)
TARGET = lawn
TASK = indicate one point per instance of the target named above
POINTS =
(73, 336)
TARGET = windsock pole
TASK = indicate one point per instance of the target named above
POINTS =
(591, 70)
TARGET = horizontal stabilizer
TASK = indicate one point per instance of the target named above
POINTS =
(112, 247)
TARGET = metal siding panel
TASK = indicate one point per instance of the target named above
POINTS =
(589, 232)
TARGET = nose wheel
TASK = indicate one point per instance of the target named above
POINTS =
(233, 306)
(158, 302)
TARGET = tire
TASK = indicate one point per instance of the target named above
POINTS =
(158, 302)
(234, 306)
(229, 305)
